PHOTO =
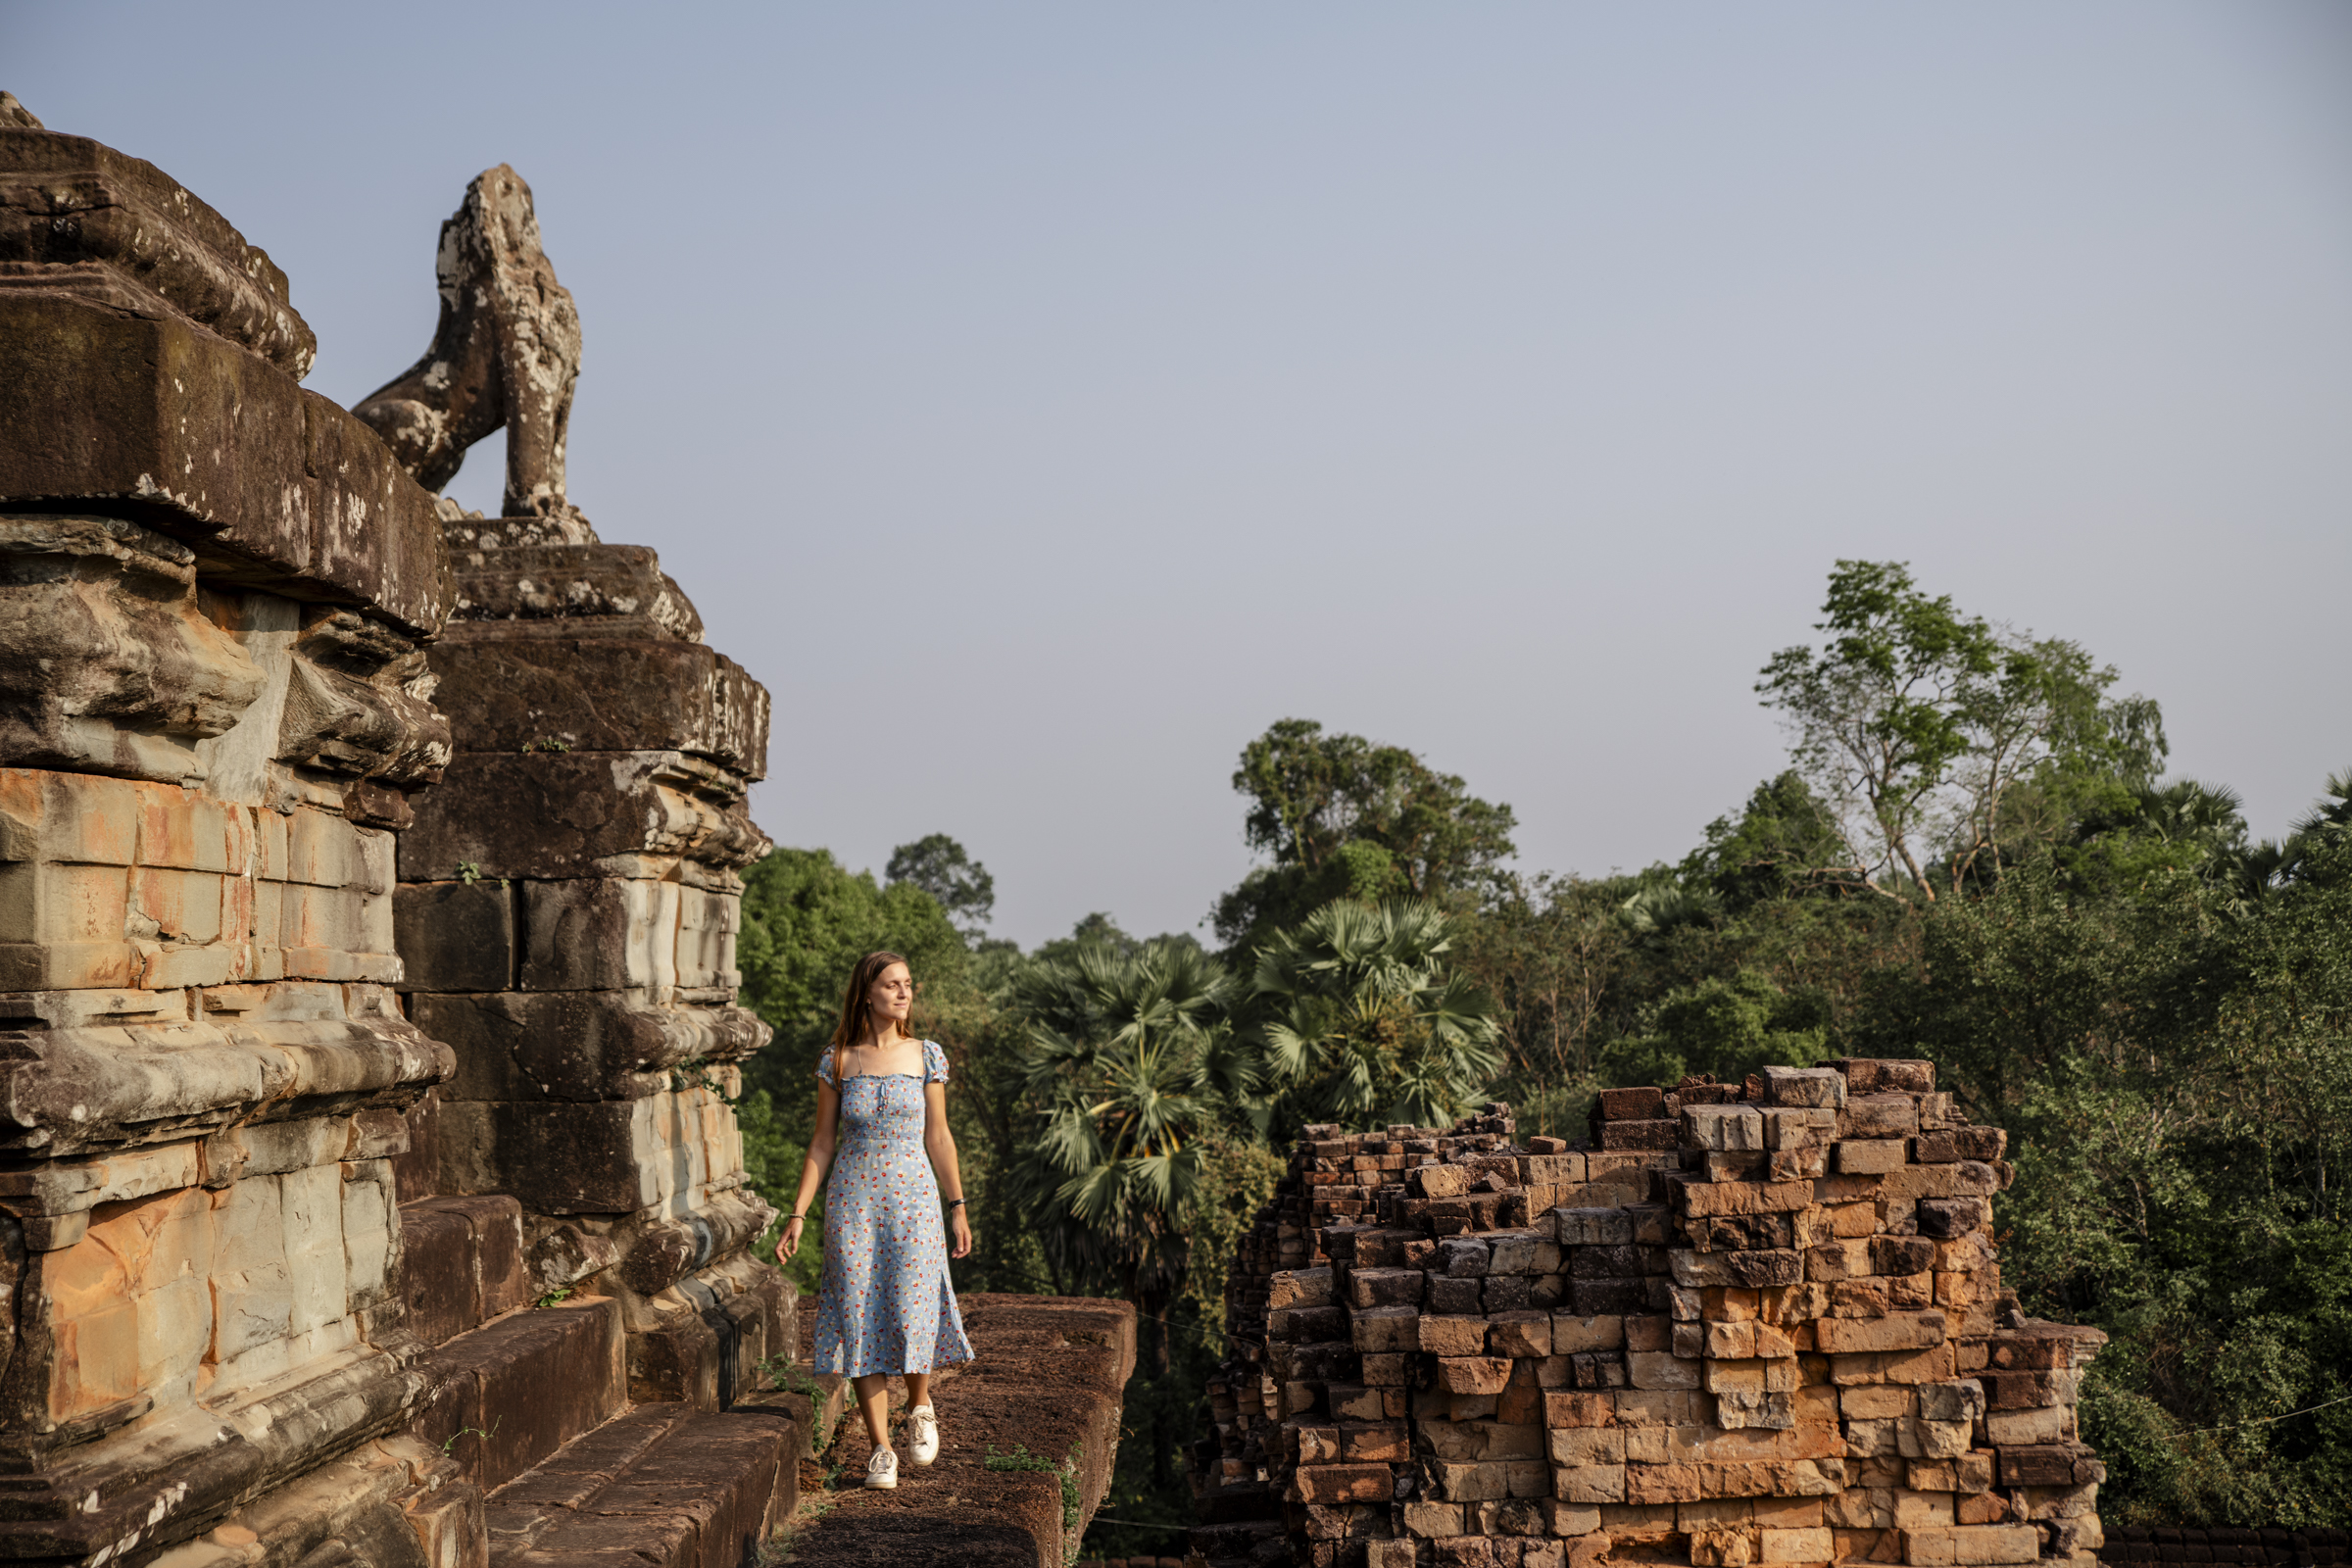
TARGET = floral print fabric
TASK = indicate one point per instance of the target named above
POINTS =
(886, 1304)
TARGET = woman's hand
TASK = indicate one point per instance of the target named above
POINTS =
(963, 1230)
(791, 1240)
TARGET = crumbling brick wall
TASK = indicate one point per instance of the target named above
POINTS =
(1755, 1323)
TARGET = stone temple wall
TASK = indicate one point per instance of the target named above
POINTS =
(368, 875)
(567, 907)
(1751, 1323)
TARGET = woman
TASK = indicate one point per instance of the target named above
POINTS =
(885, 1304)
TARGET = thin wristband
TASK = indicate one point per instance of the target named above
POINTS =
(796, 1216)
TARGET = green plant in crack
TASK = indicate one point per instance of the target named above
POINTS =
(786, 1377)
(1066, 1472)
(451, 1440)
(696, 1074)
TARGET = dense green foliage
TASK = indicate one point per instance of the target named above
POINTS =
(1970, 858)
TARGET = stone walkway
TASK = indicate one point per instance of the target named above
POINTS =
(1046, 1386)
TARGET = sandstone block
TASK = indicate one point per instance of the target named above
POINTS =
(1871, 1157)
(1589, 1482)
(576, 814)
(2049, 1424)
(1330, 1484)
(1898, 1331)
(1961, 1401)
(1604, 1298)
(1954, 1143)
(1700, 1199)
(1377, 1286)
(1638, 1134)
(1566, 1409)
(1438, 1181)
(1632, 1105)
(2037, 1465)
(1593, 1227)
(455, 936)
(1464, 1256)
(1805, 1086)
(599, 692)
(1299, 1289)
(1943, 1217)
(2025, 1391)
(1579, 1446)
(1661, 1370)
(1966, 1178)
(1789, 1128)
(1878, 1402)
(1867, 1075)
(1794, 1546)
(1932, 1440)
(1476, 1482)
(1387, 1329)
(1424, 1521)
(1723, 1128)
(1771, 1410)
(1520, 1334)
(1746, 1270)
(1973, 1545)
(1511, 1253)
(1878, 1116)
(1449, 1336)
(1838, 1260)
(1571, 1333)
(1556, 1169)
(1932, 1365)
(119, 231)
(1473, 1374)
(263, 480)
(1898, 1256)
(578, 1045)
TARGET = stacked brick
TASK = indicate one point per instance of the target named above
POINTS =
(1755, 1323)
(1334, 1179)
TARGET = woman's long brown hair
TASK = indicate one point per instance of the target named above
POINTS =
(855, 1010)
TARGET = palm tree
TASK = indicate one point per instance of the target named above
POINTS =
(1129, 1055)
(1359, 1017)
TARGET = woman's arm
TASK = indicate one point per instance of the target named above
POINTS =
(814, 1168)
(939, 1144)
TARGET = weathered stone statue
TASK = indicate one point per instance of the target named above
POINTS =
(507, 353)
(569, 911)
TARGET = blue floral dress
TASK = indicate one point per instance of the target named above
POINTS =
(886, 1304)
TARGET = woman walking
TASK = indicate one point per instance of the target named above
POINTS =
(885, 1304)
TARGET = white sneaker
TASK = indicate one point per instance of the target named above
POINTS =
(922, 1435)
(882, 1470)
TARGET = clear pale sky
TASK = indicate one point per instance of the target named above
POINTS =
(1043, 399)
